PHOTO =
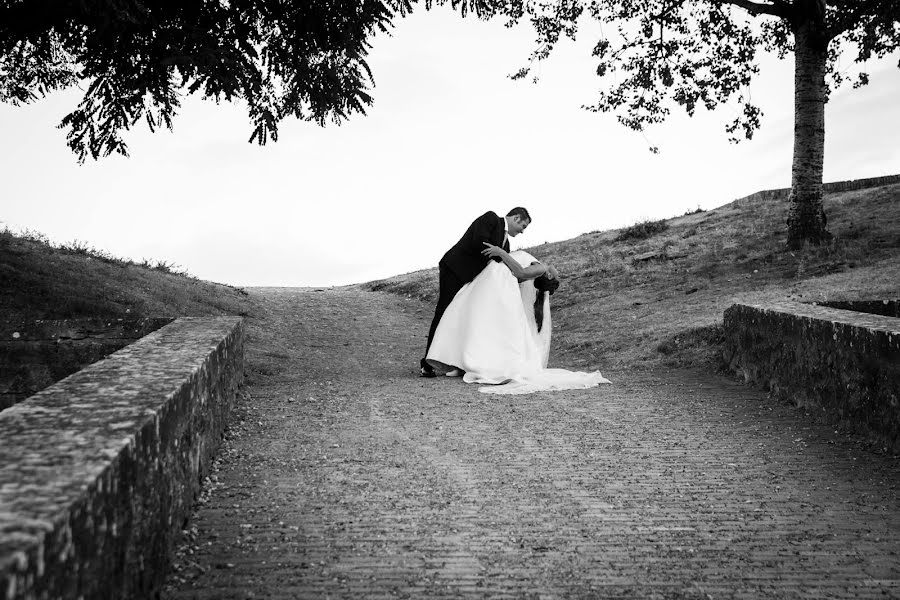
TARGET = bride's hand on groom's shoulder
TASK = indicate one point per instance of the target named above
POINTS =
(552, 273)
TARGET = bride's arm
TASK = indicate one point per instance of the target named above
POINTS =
(521, 273)
(534, 271)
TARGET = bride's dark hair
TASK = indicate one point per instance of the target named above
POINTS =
(544, 285)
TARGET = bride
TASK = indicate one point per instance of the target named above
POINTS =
(497, 329)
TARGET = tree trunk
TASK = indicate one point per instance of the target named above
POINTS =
(806, 217)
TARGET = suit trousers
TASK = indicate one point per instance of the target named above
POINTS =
(448, 284)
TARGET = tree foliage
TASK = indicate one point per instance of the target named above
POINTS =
(137, 59)
(657, 54)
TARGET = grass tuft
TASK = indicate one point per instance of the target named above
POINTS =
(642, 230)
(696, 211)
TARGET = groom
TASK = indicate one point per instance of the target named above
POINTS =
(464, 261)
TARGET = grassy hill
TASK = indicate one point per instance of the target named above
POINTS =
(42, 281)
(653, 294)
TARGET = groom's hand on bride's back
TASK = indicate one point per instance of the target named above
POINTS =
(492, 251)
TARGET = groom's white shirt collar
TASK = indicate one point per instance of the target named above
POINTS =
(505, 229)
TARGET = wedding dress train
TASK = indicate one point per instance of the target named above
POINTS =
(490, 331)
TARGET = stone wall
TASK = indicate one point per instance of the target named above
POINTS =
(835, 186)
(845, 365)
(36, 354)
(99, 471)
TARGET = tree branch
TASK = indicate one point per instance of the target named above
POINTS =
(778, 9)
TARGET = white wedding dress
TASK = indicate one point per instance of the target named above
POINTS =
(489, 331)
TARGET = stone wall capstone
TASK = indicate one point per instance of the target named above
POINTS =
(99, 471)
(887, 308)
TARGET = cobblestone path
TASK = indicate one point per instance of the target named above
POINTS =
(344, 475)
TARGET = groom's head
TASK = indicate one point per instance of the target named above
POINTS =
(517, 220)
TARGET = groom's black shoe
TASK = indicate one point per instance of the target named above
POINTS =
(425, 370)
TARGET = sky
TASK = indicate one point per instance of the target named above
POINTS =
(449, 137)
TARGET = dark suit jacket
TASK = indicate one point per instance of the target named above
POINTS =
(465, 258)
